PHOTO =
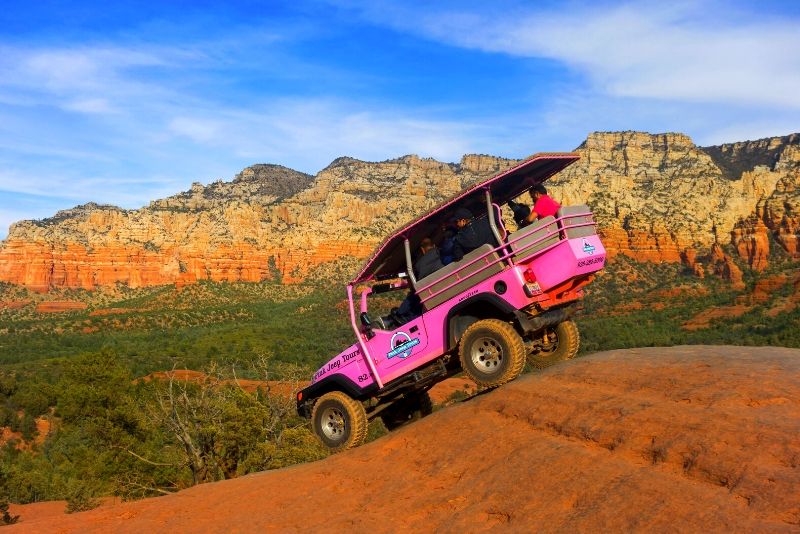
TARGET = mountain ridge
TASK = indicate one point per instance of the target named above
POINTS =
(273, 221)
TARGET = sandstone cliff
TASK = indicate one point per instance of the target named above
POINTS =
(656, 198)
(270, 221)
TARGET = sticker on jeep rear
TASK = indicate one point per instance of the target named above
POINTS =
(588, 248)
(403, 345)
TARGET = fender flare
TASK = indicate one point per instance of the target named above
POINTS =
(338, 382)
(453, 328)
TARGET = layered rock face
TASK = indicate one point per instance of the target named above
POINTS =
(777, 213)
(655, 197)
(268, 222)
(659, 197)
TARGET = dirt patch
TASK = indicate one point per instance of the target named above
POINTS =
(704, 318)
(113, 311)
(276, 387)
(39, 511)
(13, 304)
(43, 426)
(59, 306)
(686, 439)
(447, 389)
(681, 291)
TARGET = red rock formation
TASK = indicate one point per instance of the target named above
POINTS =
(724, 267)
(40, 266)
(655, 197)
(752, 242)
(656, 246)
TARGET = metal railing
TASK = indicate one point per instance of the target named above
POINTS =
(506, 254)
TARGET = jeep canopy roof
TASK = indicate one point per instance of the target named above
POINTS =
(389, 259)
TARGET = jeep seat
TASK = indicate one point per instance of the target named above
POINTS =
(466, 276)
(572, 215)
(529, 240)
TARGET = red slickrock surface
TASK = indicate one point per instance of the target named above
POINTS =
(681, 439)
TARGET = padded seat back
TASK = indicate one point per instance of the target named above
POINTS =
(571, 215)
(452, 272)
(530, 239)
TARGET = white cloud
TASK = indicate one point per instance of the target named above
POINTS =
(199, 130)
(307, 134)
(88, 79)
(75, 188)
(90, 105)
(674, 51)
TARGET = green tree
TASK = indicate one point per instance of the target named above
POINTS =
(5, 517)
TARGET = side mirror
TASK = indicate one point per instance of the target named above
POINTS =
(367, 323)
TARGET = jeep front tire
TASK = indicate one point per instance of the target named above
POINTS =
(339, 421)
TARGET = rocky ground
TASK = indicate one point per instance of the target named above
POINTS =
(656, 439)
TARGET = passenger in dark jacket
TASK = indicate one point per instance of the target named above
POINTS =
(472, 233)
(448, 243)
(429, 262)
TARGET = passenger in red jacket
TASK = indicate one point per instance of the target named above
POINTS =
(543, 205)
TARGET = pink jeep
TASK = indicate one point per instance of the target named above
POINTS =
(483, 315)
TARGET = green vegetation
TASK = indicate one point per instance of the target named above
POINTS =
(164, 328)
(112, 434)
(78, 374)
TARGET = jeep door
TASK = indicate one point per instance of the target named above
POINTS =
(399, 351)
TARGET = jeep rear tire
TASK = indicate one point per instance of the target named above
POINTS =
(411, 408)
(564, 347)
(491, 352)
(339, 422)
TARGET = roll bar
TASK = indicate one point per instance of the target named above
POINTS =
(490, 214)
(409, 264)
(360, 338)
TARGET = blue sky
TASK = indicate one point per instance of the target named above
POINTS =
(125, 102)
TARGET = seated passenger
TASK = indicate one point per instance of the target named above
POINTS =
(521, 212)
(472, 233)
(448, 242)
(543, 205)
(428, 261)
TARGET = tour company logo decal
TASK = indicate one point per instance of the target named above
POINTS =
(588, 248)
(403, 344)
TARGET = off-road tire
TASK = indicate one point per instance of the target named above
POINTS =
(566, 347)
(491, 352)
(407, 410)
(339, 422)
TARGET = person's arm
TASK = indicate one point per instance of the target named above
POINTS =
(532, 216)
